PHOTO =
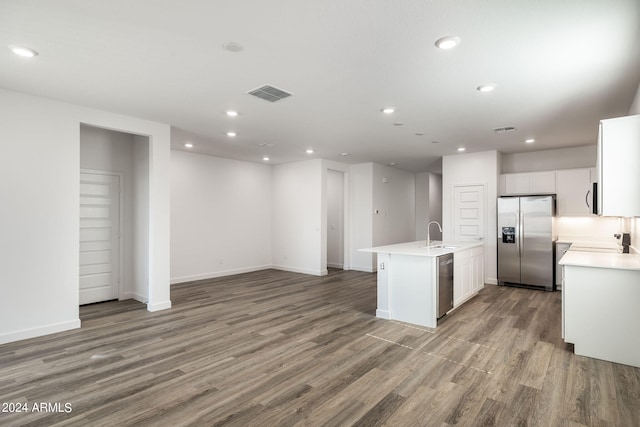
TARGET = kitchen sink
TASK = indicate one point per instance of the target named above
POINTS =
(441, 247)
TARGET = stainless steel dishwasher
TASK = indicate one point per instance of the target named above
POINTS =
(444, 285)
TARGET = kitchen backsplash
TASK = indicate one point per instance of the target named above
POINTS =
(592, 229)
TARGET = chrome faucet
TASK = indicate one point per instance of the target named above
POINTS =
(429, 233)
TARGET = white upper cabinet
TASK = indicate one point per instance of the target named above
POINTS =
(528, 183)
(574, 197)
(619, 167)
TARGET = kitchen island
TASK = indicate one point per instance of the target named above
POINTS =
(407, 278)
(601, 305)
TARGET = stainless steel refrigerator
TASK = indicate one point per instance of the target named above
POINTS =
(526, 241)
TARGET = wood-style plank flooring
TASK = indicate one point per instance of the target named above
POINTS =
(273, 348)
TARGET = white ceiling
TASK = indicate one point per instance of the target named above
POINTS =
(559, 67)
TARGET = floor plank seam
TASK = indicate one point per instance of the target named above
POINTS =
(445, 335)
(458, 363)
(389, 341)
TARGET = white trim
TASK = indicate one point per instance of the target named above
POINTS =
(491, 281)
(331, 265)
(213, 274)
(135, 296)
(159, 306)
(301, 270)
(366, 269)
(383, 314)
(39, 331)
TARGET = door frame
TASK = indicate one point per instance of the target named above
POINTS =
(121, 221)
(346, 229)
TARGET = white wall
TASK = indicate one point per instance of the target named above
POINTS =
(428, 202)
(361, 216)
(394, 201)
(588, 228)
(473, 169)
(220, 216)
(298, 231)
(435, 202)
(141, 242)
(562, 158)
(39, 213)
(335, 219)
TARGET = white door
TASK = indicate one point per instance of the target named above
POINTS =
(99, 237)
(469, 213)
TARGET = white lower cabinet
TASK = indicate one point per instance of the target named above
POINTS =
(600, 313)
(468, 274)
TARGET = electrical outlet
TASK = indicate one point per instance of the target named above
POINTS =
(220, 261)
(382, 266)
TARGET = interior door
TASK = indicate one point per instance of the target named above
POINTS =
(508, 239)
(469, 212)
(99, 237)
(537, 261)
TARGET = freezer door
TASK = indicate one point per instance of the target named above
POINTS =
(508, 240)
(536, 220)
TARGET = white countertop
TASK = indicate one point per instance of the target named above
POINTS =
(418, 248)
(601, 260)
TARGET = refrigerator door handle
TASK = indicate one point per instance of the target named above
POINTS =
(520, 233)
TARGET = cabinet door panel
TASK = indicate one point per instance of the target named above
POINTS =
(543, 182)
(574, 191)
(517, 183)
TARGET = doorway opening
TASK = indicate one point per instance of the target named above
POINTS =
(114, 215)
(336, 204)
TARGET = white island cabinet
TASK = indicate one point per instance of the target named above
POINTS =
(601, 305)
(407, 278)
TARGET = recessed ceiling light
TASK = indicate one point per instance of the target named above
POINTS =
(23, 51)
(398, 124)
(232, 113)
(419, 133)
(188, 145)
(435, 142)
(392, 164)
(448, 42)
(530, 141)
(461, 149)
(388, 110)
(486, 88)
(344, 154)
(231, 134)
(233, 47)
(309, 151)
(265, 158)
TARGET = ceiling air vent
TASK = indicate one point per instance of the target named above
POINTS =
(270, 93)
(504, 129)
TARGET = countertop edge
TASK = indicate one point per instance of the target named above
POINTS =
(614, 261)
(417, 248)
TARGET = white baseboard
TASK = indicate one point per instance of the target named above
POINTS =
(383, 314)
(331, 265)
(366, 269)
(164, 305)
(491, 281)
(214, 274)
(300, 270)
(39, 331)
(134, 296)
